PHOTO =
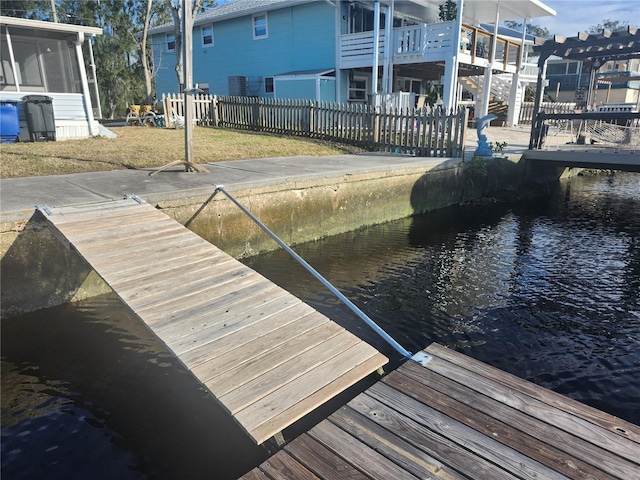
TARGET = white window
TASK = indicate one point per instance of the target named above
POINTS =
(171, 42)
(207, 35)
(260, 26)
(358, 90)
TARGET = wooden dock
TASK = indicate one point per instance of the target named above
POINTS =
(457, 418)
(267, 357)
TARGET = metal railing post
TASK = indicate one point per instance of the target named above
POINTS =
(324, 281)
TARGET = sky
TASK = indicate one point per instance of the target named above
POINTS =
(573, 16)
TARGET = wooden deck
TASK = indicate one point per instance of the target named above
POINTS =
(266, 356)
(457, 418)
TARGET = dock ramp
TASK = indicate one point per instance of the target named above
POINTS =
(266, 356)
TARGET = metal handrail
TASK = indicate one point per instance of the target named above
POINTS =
(324, 281)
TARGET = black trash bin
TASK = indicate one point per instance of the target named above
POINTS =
(38, 110)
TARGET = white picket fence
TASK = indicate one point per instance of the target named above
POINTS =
(424, 132)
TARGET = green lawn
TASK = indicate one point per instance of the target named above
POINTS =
(145, 147)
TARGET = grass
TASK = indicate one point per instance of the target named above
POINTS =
(148, 147)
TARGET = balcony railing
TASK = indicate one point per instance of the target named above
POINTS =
(477, 44)
(428, 43)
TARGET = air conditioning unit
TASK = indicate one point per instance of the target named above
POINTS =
(237, 86)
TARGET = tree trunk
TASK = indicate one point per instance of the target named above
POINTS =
(176, 12)
(148, 87)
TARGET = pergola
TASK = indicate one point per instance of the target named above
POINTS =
(594, 49)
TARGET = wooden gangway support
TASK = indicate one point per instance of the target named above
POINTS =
(458, 418)
(266, 356)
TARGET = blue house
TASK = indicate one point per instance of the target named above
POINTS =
(340, 51)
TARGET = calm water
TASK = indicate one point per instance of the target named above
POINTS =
(548, 291)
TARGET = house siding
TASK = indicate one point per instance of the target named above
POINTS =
(299, 38)
(68, 112)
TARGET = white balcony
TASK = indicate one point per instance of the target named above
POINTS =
(425, 43)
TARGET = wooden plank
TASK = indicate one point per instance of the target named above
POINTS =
(271, 380)
(563, 441)
(104, 221)
(219, 310)
(322, 461)
(170, 273)
(301, 396)
(244, 345)
(142, 267)
(149, 249)
(110, 234)
(613, 424)
(410, 457)
(92, 224)
(180, 285)
(129, 242)
(277, 423)
(62, 214)
(243, 318)
(238, 351)
(205, 351)
(495, 428)
(491, 387)
(373, 464)
(283, 466)
(472, 445)
(237, 275)
(203, 306)
(255, 474)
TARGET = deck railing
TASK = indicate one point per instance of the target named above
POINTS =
(427, 42)
(477, 44)
(526, 109)
(424, 132)
(595, 131)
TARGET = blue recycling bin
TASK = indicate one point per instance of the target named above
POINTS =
(9, 121)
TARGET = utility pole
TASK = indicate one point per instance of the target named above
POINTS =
(189, 91)
(187, 66)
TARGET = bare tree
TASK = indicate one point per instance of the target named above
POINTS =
(144, 57)
(176, 13)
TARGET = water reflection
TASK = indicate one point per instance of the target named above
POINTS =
(546, 290)
(88, 392)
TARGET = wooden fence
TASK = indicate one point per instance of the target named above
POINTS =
(526, 111)
(423, 132)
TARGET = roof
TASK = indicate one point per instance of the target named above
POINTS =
(307, 73)
(474, 11)
(484, 11)
(235, 9)
(49, 26)
(604, 46)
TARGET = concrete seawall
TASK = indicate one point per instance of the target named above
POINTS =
(38, 272)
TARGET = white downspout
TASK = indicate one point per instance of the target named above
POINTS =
(451, 66)
(13, 60)
(85, 85)
(488, 74)
(376, 41)
(95, 78)
(513, 113)
(387, 71)
(337, 36)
